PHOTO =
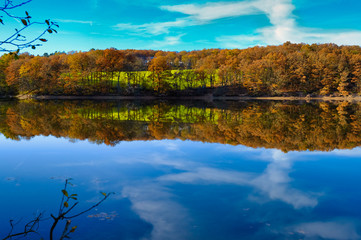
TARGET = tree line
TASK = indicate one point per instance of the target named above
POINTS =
(269, 124)
(288, 69)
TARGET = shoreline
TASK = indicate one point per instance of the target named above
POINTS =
(205, 98)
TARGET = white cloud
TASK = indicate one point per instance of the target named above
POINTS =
(197, 15)
(279, 12)
(280, 34)
(74, 21)
(200, 14)
(168, 41)
(154, 28)
(172, 40)
(213, 11)
(284, 28)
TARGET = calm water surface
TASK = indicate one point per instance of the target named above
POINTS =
(185, 170)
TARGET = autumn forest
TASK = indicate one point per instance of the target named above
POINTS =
(285, 70)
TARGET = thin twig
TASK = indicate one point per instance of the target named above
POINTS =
(94, 206)
(30, 227)
(65, 232)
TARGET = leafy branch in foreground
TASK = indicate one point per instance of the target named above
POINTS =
(18, 40)
(65, 213)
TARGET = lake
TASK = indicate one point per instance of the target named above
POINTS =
(183, 170)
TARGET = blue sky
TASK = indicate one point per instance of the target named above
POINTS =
(195, 24)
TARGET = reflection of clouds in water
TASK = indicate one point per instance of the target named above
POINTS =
(157, 159)
(238, 149)
(356, 152)
(79, 164)
(328, 230)
(154, 204)
(208, 176)
(103, 216)
(264, 154)
(163, 160)
(169, 145)
(99, 184)
(274, 181)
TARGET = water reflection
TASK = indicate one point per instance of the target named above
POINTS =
(285, 126)
(339, 229)
(173, 189)
(268, 192)
(187, 190)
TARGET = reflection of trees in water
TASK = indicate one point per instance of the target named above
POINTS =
(288, 127)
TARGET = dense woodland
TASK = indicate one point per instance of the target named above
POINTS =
(289, 69)
(287, 127)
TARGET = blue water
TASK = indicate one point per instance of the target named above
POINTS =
(172, 189)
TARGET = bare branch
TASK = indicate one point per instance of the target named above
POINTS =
(30, 228)
(94, 206)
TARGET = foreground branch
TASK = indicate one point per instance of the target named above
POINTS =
(18, 40)
(64, 210)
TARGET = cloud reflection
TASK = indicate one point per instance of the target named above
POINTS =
(155, 201)
(274, 182)
(337, 230)
(154, 204)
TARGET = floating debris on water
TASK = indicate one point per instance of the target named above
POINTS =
(104, 216)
